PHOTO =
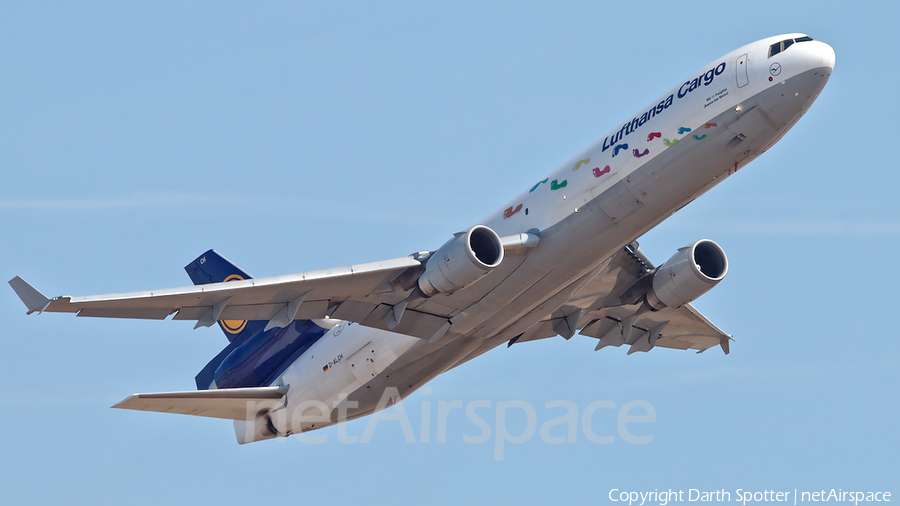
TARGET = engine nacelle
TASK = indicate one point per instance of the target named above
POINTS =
(687, 275)
(461, 261)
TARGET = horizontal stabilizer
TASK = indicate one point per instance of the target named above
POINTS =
(227, 403)
(33, 299)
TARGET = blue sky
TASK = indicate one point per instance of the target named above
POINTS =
(292, 137)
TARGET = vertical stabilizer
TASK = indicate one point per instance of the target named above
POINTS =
(211, 267)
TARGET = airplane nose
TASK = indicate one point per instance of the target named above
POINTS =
(826, 54)
(815, 55)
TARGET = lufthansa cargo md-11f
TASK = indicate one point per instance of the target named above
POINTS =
(317, 348)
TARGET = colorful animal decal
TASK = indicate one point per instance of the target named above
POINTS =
(700, 138)
(669, 143)
(598, 172)
(582, 162)
(556, 186)
(653, 135)
(619, 148)
(539, 183)
(638, 154)
(683, 130)
(510, 212)
(710, 125)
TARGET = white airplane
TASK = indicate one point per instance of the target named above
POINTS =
(317, 348)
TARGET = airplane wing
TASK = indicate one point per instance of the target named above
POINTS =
(680, 328)
(605, 309)
(307, 295)
(376, 295)
(373, 294)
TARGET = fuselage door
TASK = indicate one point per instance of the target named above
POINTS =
(741, 70)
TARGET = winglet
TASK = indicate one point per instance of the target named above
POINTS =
(33, 299)
(724, 341)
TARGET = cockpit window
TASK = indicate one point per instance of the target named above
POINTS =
(783, 45)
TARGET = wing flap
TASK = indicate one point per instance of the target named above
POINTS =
(353, 310)
(309, 310)
(230, 403)
(542, 330)
(682, 328)
(418, 324)
(136, 313)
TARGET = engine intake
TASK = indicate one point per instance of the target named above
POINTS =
(461, 261)
(690, 273)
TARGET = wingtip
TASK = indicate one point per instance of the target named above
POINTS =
(33, 299)
(121, 404)
(724, 343)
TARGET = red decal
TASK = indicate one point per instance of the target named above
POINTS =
(509, 211)
(710, 125)
(653, 135)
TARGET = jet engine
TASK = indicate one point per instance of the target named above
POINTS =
(461, 261)
(687, 275)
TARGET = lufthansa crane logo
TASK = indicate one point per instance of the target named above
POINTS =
(233, 326)
(775, 69)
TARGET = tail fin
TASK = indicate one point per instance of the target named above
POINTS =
(212, 267)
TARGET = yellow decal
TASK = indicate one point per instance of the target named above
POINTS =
(233, 326)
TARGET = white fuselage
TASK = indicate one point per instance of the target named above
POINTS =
(691, 138)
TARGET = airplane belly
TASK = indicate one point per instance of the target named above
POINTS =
(340, 363)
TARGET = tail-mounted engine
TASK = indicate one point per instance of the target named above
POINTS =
(461, 261)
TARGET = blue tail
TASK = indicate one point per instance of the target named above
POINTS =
(212, 267)
(254, 355)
